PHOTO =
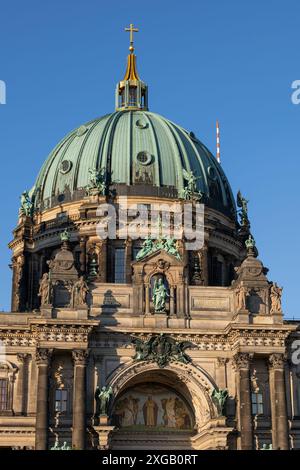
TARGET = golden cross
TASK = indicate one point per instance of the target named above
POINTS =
(131, 30)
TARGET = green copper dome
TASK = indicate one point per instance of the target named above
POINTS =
(142, 152)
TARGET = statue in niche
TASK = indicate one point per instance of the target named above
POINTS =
(44, 291)
(241, 297)
(80, 291)
(102, 398)
(160, 295)
(275, 294)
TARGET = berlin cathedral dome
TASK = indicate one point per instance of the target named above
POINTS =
(129, 338)
(137, 149)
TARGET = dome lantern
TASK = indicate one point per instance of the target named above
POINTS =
(131, 92)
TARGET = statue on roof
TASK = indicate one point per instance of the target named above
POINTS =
(26, 204)
(190, 190)
(243, 212)
(97, 181)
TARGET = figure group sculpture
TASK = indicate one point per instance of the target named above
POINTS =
(97, 181)
(190, 190)
(166, 244)
(26, 204)
(78, 291)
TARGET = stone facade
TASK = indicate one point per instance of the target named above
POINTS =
(90, 355)
(81, 338)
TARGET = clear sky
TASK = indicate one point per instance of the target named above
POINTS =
(203, 60)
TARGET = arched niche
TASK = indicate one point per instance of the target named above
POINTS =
(172, 269)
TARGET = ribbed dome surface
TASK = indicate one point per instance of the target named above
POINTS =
(136, 148)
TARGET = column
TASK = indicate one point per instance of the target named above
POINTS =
(221, 375)
(147, 300)
(244, 411)
(79, 398)
(204, 264)
(43, 357)
(22, 381)
(280, 437)
(83, 254)
(128, 259)
(172, 293)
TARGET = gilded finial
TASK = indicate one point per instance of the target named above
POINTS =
(131, 30)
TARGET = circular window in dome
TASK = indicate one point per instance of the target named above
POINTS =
(81, 130)
(145, 158)
(65, 166)
(141, 124)
(212, 173)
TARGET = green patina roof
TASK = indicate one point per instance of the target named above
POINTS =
(114, 141)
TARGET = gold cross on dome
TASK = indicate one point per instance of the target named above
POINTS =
(131, 30)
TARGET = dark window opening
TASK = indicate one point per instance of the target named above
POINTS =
(3, 394)
(61, 400)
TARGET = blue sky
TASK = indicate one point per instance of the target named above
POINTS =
(230, 60)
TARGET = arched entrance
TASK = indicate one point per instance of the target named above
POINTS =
(163, 408)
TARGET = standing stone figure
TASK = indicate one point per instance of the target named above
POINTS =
(220, 397)
(160, 295)
(275, 294)
(80, 290)
(102, 398)
(44, 291)
(241, 294)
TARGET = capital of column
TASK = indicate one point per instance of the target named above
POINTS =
(277, 361)
(242, 361)
(222, 361)
(43, 356)
(22, 357)
(80, 356)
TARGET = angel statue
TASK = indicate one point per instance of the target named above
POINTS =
(160, 295)
(102, 398)
(243, 204)
(26, 204)
(190, 191)
(219, 397)
(97, 181)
